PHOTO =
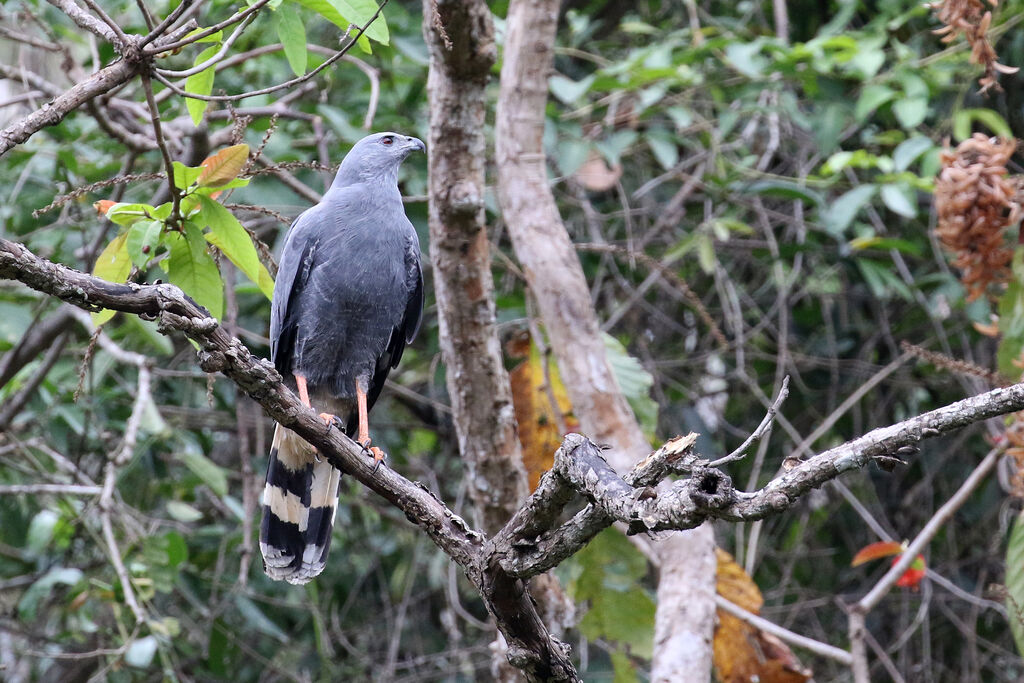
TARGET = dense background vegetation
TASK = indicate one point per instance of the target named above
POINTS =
(778, 173)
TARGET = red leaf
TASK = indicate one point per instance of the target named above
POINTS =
(912, 577)
(875, 551)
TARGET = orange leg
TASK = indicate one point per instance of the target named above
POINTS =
(364, 427)
(300, 382)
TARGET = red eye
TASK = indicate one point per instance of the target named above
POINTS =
(387, 140)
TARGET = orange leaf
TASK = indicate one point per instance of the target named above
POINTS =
(102, 206)
(539, 435)
(741, 652)
(875, 551)
(222, 167)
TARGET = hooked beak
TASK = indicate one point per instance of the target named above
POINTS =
(415, 144)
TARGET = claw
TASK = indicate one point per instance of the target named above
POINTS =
(378, 458)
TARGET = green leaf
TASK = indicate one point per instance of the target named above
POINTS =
(228, 235)
(635, 382)
(1015, 582)
(189, 266)
(142, 240)
(568, 90)
(255, 617)
(882, 281)
(127, 214)
(746, 58)
(908, 151)
(140, 653)
(292, 35)
(183, 512)
(607, 574)
(209, 472)
(664, 149)
(784, 189)
(113, 265)
(29, 603)
(1011, 325)
(342, 13)
(963, 123)
(200, 84)
(214, 37)
(871, 98)
(185, 176)
(911, 111)
(837, 218)
(40, 531)
(900, 198)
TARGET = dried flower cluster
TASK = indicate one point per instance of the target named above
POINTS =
(973, 19)
(976, 202)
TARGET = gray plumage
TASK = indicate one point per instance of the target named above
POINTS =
(347, 299)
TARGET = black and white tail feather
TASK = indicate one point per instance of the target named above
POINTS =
(300, 501)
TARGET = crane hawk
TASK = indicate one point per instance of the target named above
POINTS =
(348, 298)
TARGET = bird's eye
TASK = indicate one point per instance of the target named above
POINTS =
(387, 140)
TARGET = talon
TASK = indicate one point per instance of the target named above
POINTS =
(378, 458)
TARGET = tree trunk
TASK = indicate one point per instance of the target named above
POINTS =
(686, 608)
(460, 37)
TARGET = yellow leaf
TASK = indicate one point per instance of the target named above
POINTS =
(224, 166)
(113, 265)
(741, 652)
(538, 423)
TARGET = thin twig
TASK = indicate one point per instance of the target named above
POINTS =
(175, 218)
(815, 646)
(63, 489)
(762, 429)
(280, 86)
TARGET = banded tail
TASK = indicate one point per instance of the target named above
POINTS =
(299, 503)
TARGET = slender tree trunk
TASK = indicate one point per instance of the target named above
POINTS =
(460, 37)
(686, 608)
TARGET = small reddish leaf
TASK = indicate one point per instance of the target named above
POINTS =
(102, 206)
(224, 166)
(912, 577)
(875, 551)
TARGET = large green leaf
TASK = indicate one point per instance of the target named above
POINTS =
(840, 214)
(607, 576)
(189, 266)
(292, 35)
(142, 240)
(1015, 582)
(228, 235)
(343, 13)
(635, 382)
(200, 84)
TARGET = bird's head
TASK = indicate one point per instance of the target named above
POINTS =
(377, 157)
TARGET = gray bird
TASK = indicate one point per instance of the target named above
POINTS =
(348, 298)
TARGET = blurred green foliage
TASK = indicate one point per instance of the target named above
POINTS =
(785, 181)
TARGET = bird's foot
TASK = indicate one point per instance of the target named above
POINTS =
(373, 452)
(328, 420)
